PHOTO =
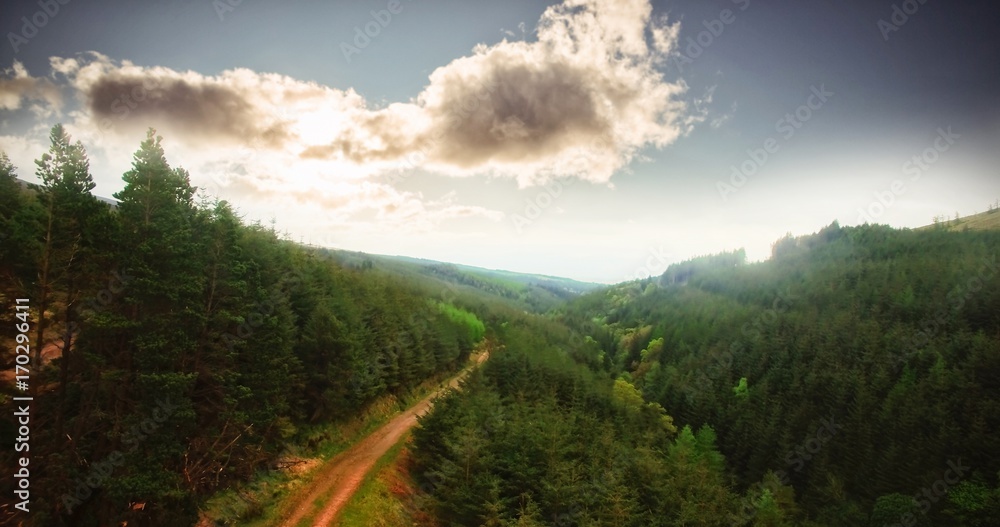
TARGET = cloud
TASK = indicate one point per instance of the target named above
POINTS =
(17, 85)
(23, 150)
(237, 106)
(239, 134)
(349, 204)
(581, 100)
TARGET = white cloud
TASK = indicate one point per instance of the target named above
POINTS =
(23, 150)
(580, 101)
(17, 86)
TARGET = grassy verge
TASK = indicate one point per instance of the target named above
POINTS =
(379, 501)
(260, 501)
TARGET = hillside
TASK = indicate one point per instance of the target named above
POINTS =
(989, 220)
(891, 335)
(531, 292)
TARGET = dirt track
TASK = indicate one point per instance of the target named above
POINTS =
(340, 478)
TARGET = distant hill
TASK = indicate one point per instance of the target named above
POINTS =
(984, 221)
(112, 202)
(530, 292)
(556, 284)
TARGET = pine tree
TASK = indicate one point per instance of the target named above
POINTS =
(148, 338)
(20, 231)
(69, 224)
(326, 349)
(72, 259)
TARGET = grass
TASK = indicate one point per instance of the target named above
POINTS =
(989, 220)
(378, 502)
(260, 502)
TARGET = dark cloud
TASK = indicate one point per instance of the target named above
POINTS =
(198, 109)
(519, 113)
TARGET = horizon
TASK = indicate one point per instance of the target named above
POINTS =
(535, 273)
(585, 140)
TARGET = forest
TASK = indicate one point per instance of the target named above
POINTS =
(853, 378)
(178, 349)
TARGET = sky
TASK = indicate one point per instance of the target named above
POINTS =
(592, 139)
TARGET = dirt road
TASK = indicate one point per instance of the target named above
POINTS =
(340, 478)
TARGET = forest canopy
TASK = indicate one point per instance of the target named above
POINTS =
(166, 304)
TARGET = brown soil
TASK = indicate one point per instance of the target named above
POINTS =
(342, 475)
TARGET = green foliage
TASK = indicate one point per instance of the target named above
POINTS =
(471, 286)
(474, 329)
(893, 509)
(681, 273)
(973, 503)
(21, 221)
(770, 504)
(890, 333)
(194, 347)
(537, 439)
(741, 389)
(625, 396)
